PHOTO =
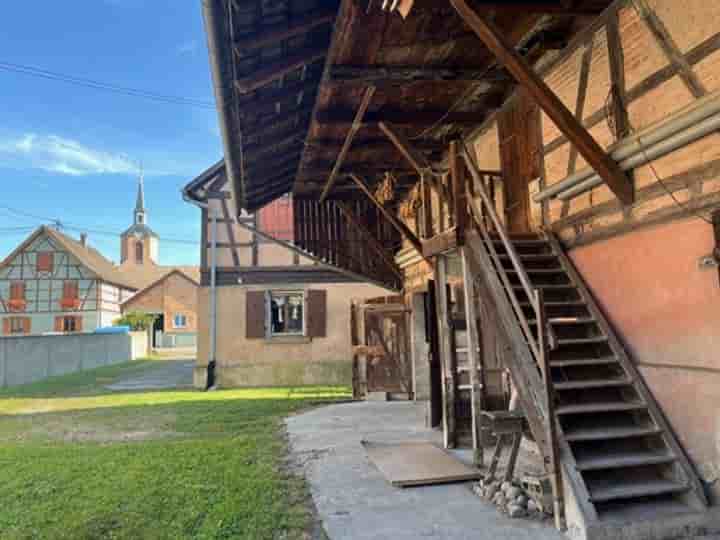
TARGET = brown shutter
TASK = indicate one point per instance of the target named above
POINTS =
(6, 326)
(255, 315)
(316, 317)
(58, 324)
(78, 323)
(26, 325)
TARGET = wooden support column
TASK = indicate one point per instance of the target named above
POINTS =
(356, 125)
(476, 389)
(367, 236)
(589, 149)
(459, 202)
(403, 229)
(447, 355)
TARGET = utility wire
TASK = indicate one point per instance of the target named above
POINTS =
(108, 87)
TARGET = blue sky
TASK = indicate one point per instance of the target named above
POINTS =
(71, 153)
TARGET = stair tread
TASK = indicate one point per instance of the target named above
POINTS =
(625, 459)
(530, 256)
(603, 406)
(581, 341)
(566, 320)
(547, 286)
(558, 303)
(584, 361)
(607, 433)
(630, 489)
(538, 271)
(591, 383)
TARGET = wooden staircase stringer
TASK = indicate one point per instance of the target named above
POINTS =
(525, 373)
(668, 434)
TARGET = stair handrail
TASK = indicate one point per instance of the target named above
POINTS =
(511, 251)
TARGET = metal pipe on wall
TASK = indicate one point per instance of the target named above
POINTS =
(631, 146)
(651, 153)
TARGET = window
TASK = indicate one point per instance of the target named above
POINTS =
(286, 312)
(179, 320)
(139, 252)
(17, 296)
(16, 325)
(70, 298)
(68, 323)
(44, 261)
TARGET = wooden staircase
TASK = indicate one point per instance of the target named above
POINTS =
(620, 459)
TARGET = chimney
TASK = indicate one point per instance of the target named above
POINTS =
(83, 239)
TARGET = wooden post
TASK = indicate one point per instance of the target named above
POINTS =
(519, 68)
(472, 344)
(447, 355)
(552, 461)
(459, 202)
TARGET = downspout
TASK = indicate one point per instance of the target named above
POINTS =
(219, 51)
(210, 382)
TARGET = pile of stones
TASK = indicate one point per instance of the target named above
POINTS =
(510, 498)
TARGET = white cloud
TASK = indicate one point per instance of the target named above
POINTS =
(188, 47)
(60, 155)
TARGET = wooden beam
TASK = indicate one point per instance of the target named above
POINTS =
(379, 75)
(356, 125)
(593, 153)
(272, 154)
(373, 242)
(441, 243)
(301, 25)
(279, 69)
(267, 97)
(448, 359)
(403, 229)
(457, 179)
(403, 145)
(523, 6)
(373, 143)
(342, 115)
(272, 184)
(275, 118)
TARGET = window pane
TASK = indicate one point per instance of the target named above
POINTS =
(287, 313)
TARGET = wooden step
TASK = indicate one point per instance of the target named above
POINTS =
(558, 303)
(625, 460)
(548, 286)
(631, 490)
(608, 433)
(600, 407)
(584, 362)
(582, 341)
(530, 256)
(566, 321)
(591, 383)
(539, 271)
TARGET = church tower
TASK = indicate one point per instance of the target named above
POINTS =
(139, 245)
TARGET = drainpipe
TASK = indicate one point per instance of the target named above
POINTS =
(210, 383)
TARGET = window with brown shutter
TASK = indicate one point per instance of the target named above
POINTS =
(17, 296)
(317, 313)
(16, 326)
(44, 261)
(71, 295)
(68, 323)
(255, 314)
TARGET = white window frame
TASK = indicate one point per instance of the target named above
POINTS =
(184, 319)
(268, 312)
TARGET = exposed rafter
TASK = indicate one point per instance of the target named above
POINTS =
(593, 153)
(418, 161)
(357, 122)
(279, 69)
(405, 116)
(271, 96)
(276, 118)
(279, 33)
(379, 75)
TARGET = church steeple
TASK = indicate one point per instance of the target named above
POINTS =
(140, 214)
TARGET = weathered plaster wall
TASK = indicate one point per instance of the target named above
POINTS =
(279, 361)
(667, 311)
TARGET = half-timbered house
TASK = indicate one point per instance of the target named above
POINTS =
(540, 181)
(279, 317)
(54, 283)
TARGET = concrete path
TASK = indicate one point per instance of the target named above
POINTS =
(355, 502)
(167, 374)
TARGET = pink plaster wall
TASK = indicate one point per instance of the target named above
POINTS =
(667, 311)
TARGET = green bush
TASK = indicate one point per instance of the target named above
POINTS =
(136, 320)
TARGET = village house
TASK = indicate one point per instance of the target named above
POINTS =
(54, 283)
(280, 318)
(540, 182)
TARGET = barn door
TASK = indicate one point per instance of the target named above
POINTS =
(520, 159)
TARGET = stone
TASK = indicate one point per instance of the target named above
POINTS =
(499, 499)
(532, 506)
(505, 486)
(513, 492)
(491, 491)
(516, 511)
(522, 500)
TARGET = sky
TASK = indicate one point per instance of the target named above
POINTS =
(73, 153)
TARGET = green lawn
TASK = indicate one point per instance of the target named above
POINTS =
(80, 462)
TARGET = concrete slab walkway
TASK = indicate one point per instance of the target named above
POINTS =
(355, 501)
(168, 374)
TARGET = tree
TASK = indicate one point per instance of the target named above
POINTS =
(136, 320)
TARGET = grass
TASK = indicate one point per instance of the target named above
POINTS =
(80, 462)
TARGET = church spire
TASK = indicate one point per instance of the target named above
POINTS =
(140, 203)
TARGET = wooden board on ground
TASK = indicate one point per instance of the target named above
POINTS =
(408, 464)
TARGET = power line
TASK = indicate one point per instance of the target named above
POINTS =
(108, 87)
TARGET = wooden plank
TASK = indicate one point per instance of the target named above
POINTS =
(372, 242)
(418, 161)
(459, 201)
(447, 354)
(279, 69)
(505, 53)
(473, 342)
(616, 59)
(379, 75)
(403, 229)
(268, 97)
(356, 125)
(409, 464)
(412, 117)
(443, 242)
(299, 26)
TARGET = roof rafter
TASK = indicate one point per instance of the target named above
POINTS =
(273, 35)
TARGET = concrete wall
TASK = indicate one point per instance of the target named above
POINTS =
(28, 359)
(279, 361)
(667, 311)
